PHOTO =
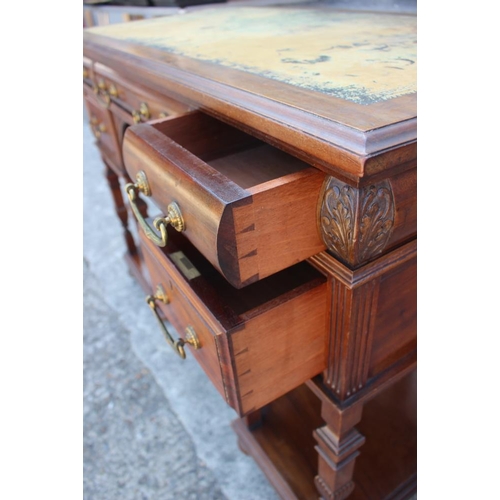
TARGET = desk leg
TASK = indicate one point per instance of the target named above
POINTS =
(338, 443)
(120, 208)
(133, 255)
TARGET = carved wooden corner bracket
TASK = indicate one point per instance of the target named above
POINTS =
(356, 223)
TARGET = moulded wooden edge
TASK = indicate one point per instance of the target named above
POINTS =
(331, 266)
(374, 386)
(335, 146)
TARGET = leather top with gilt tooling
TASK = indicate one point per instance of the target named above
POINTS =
(347, 79)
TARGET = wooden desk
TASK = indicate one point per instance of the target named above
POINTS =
(281, 144)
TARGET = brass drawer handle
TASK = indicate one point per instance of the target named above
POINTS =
(174, 212)
(177, 345)
(141, 113)
(97, 128)
(101, 93)
(113, 91)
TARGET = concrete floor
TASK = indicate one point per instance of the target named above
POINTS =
(154, 426)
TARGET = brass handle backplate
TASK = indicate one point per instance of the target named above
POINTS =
(177, 345)
(97, 128)
(112, 90)
(101, 93)
(174, 217)
(141, 113)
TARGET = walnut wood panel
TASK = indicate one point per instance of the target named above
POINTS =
(395, 328)
(265, 340)
(387, 465)
(373, 320)
(248, 234)
(291, 336)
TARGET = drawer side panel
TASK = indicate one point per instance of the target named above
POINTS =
(395, 330)
(280, 349)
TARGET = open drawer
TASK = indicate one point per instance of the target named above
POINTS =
(255, 344)
(248, 207)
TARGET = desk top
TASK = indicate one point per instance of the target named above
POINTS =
(345, 79)
(359, 57)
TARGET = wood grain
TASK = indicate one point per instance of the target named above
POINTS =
(249, 366)
(283, 445)
(277, 337)
(241, 171)
(247, 234)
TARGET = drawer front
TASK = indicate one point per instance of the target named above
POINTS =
(182, 314)
(102, 126)
(88, 72)
(140, 104)
(269, 349)
(248, 207)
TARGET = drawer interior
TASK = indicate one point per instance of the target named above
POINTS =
(248, 207)
(240, 157)
(231, 306)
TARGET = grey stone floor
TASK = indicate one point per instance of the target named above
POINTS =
(135, 445)
(154, 426)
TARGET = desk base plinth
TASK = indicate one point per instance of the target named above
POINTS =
(282, 444)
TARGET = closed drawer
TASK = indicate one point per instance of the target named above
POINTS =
(140, 104)
(102, 126)
(256, 343)
(250, 208)
(88, 72)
